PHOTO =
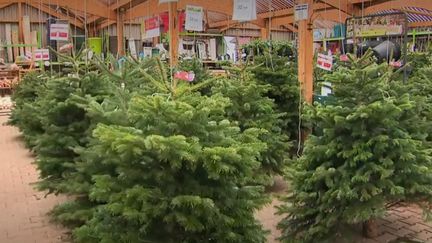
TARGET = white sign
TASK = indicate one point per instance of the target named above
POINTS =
(59, 32)
(301, 12)
(194, 18)
(244, 10)
(41, 55)
(167, 1)
(132, 48)
(325, 62)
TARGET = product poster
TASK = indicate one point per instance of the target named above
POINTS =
(194, 18)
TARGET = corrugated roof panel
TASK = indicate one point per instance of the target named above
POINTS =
(412, 17)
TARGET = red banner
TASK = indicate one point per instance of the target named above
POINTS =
(165, 21)
(151, 23)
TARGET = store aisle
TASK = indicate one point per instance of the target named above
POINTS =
(23, 210)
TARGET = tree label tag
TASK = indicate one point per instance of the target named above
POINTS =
(325, 62)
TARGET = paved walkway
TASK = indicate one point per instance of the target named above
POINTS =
(23, 210)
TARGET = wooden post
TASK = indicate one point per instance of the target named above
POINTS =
(20, 28)
(20, 22)
(120, 32)
(8, 31)
(305, 54)
(174, 29)
(269, 27)
(266, 31)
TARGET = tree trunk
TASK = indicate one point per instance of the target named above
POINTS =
(370, 229)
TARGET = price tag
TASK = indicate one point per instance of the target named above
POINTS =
(325, 62)
(344, 58)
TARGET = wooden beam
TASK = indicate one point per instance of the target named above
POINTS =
(343, 5)
(332, 15)
(15, 21)
(93, 19)
(106, 23)
(8, 32)
(305, 55)
(152, 7)
(75, 13)
(4, 5)
(56, 14)
(89, 6)
(119, 4)
(397, 4)
(264, 34)
(420, 24)
(291, 27)
(259, 22)
(269, 29)
(27, 33)
(173, 33)
(20, 23)
(282, 21)
(120, 33)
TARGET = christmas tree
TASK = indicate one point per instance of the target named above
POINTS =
(25, 112)
(280, 73)
(251, 107)
(174, 170)
(366, 155)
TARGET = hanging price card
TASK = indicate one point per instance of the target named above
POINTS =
(325, 62)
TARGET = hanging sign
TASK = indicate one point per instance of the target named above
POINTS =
(194, 18)
(167, 1)
(244, 10)
(376, 25)
(59, 32)
(152, 28)
(301, 12)
(325, 62)
(41, 55)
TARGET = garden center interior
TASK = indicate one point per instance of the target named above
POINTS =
(216, 121)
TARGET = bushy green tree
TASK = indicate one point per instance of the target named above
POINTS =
(25, 112)
(280, 73)
(179, 172)
(251, 107)
(368, 154)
